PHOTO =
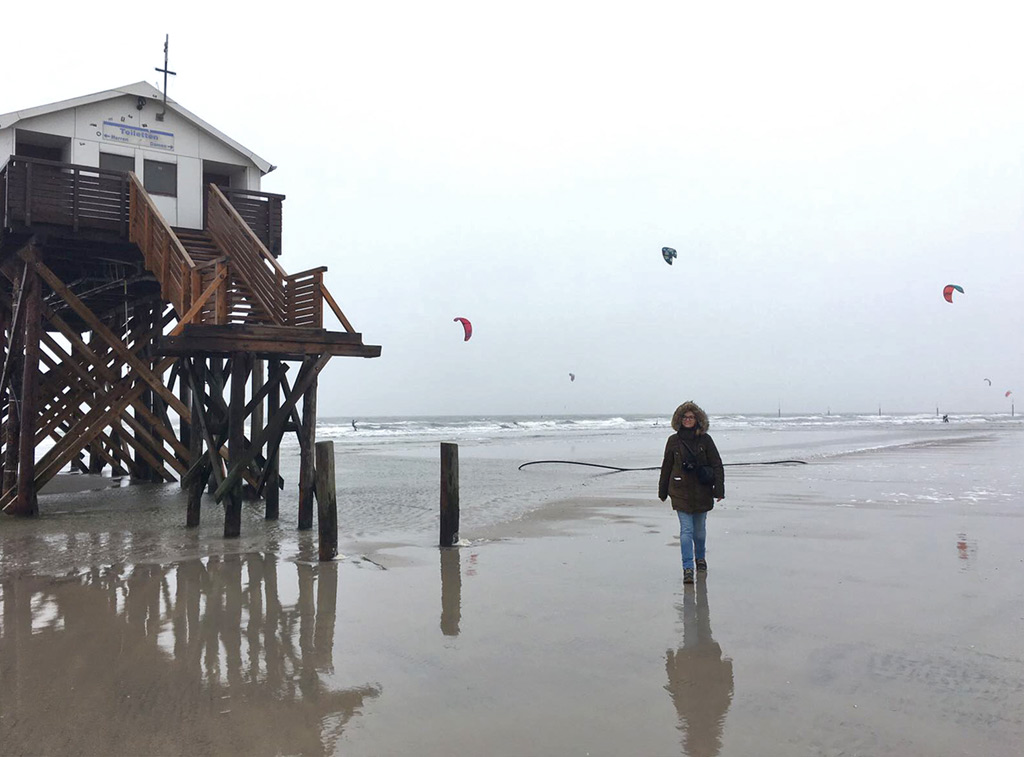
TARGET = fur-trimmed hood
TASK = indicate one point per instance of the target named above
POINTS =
(691, 407)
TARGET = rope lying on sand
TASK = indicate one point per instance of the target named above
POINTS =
(616, 469)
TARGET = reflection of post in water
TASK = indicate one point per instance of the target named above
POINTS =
(208, 637)
(451, 591)
(699, 678)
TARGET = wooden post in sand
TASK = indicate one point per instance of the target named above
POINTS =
(326, 501)
(449, 494)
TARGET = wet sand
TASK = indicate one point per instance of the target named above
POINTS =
(865, 605)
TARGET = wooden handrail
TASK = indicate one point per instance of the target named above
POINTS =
(310, 272)
(337, 310)
(245, 270)
(166, 257)
(233, 212)
(250, 259)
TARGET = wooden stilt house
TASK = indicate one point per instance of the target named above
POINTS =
(146, 319)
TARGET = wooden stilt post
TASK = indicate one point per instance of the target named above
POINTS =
(26, 503)
(14, 375)
(4, 323)
(307, 436)
(195, 448)
(145, 314)
(236, 443)
(449, 494)
(258, 379)
(215, 385)
(185, 395)
(256, 418)
(273, 491)
(326, 500)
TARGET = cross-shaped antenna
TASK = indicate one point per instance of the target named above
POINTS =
(165, 72)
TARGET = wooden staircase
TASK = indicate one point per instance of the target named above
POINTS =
(224, 275)
(242, 305)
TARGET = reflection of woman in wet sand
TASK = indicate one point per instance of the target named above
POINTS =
(699, 679)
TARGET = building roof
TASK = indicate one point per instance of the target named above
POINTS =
(138, 89)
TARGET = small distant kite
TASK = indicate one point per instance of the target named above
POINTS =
(1008, 393)
(572, 377)
(989, 381)
(669, 254)
(467, 327)
(947, 291)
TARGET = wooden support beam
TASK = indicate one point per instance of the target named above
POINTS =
(153, 424)
(87, 429)
(255, 407)
(69, 408)
(307, 457)
(271, 470)
(236, 443)
(327, 501)
(26, 503)
(198, 403)
(17, 318)
(277, 371)
(310, 370)
(195, 488)
(449, 530)
(97, 326)
(12, 428)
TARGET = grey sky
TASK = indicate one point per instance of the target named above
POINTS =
(823, 174)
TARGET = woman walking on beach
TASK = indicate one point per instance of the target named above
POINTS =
(692, 475)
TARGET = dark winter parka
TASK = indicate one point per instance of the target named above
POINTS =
(686, 446)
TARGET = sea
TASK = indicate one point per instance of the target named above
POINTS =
(388, 468)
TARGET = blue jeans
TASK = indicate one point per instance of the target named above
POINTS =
(693, 535)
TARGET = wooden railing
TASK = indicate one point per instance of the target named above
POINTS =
(164, 254)
(247, 285)
(49, 192)
(262, 212)
(250, 260)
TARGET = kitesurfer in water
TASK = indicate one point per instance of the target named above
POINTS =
(693, 476)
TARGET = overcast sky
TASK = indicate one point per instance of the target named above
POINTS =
(822, 173)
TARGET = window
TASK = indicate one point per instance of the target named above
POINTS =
(113, 162)
(160, 178)
(40, 151)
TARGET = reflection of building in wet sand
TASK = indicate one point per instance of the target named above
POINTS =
(699, 679)
(199, 657)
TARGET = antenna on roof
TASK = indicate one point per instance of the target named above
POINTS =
(165, 72)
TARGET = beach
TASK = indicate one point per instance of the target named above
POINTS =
(866, 603)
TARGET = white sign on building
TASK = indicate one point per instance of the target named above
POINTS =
(126, 134)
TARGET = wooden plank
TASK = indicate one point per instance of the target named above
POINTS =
(185, 345)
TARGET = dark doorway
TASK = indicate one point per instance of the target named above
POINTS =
(222, 180)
